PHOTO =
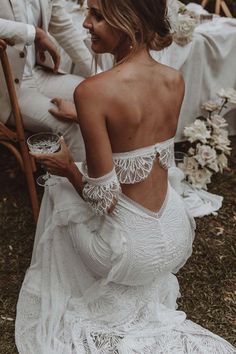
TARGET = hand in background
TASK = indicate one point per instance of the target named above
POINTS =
(59, 163)
(65, 110)
(44, 44)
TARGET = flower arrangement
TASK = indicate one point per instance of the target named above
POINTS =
(184, 26)
(209, 142)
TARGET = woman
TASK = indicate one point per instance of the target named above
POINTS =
(112, 233)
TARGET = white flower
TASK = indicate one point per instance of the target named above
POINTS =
(220, 141)
(217, 121)
(214, 166)
(222, 162)
(206, 155)
(188, 164)
(219, 131)
(186, 26)
(191, 151)
(197, 131)
(210, 143)
(200, 178)
(229, 94)
(210, 106)
(184, 29)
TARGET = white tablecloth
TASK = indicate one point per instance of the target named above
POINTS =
(208, 63)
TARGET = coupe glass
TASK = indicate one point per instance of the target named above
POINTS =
(44, 143)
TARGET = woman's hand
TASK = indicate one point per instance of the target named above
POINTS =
(60, 163)
(65, 110)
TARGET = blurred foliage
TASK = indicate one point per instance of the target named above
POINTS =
(211, 5)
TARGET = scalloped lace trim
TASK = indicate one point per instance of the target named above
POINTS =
(133, 167)
(101, 198)
(101, 193)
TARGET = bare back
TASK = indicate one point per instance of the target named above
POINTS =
(141, 101)
(144, 106)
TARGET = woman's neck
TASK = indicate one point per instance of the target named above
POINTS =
(141, 56)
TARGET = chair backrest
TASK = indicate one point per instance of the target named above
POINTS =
(9, 137)
(218, 5)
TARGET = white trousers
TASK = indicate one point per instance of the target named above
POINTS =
(35, 96)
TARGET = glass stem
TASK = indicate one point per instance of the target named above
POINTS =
(47, 175)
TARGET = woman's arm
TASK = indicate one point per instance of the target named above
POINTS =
(91, 104)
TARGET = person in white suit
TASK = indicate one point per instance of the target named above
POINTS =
(27, 26)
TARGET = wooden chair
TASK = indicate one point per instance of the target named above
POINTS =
(15, 140)
(219, 4)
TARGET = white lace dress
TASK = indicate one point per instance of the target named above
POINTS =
(104, 283)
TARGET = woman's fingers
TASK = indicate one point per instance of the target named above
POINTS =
(55, 113)
(65, 110)
(56, 101)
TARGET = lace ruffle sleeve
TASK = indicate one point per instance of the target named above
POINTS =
(102, 192)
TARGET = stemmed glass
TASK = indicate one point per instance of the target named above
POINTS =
(44, 143)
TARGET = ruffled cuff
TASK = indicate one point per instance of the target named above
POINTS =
(102, 192)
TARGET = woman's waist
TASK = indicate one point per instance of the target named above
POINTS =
(139, 204)
(149, 193)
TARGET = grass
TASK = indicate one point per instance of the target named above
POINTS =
(207, 280)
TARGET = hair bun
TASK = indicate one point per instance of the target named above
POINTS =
(158, 42)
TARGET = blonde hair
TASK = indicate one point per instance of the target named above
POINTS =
(144, 22)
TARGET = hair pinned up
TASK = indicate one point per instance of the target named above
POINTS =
(145, 22)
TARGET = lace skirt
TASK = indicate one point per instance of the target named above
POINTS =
(105, 285)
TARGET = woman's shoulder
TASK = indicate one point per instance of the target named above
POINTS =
(171, 75)
(173, 79)
(97, 86)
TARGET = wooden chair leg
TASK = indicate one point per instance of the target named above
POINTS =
(226, 9)
(20, 131)
(217, 7)
(219, 4)
(31, 184)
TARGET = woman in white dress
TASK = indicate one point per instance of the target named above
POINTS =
(112, 232)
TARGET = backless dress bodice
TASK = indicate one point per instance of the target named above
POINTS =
(143, 254)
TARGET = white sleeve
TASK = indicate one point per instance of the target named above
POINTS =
(14, 32)
(102, 192)
(31, 31)
(62, 28)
